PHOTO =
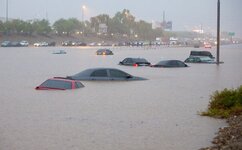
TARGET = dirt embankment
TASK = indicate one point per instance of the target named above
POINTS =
(228, 138)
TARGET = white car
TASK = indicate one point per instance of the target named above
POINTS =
(24, 43)
(40, 44)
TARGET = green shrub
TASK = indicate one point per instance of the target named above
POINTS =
(225, 103)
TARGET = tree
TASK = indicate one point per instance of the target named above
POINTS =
(63, 26)
(100, 19)
(41, 26)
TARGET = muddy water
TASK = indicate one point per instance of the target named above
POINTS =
(159, 113)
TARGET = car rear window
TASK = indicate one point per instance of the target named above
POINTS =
(142, 60)
(57, 84)
(118, 74)
(78, 85)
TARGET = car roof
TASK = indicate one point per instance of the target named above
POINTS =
(104, 49)
(101, 68)
(88, 71)
(195, 56)
(170, 60)
(135, 58)
(62, 79)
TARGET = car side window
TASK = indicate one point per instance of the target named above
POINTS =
(118, 74)
(99, 73)
(125, 60)
(197, 59)
(129, 60)
(173, 63)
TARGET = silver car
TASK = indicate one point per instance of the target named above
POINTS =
(104, 74)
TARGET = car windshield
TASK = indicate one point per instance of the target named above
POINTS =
(78, 85)
(162, 63)
(56, 84)
(103, 50)
(84, 73)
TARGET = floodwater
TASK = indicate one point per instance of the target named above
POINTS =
(155, 114)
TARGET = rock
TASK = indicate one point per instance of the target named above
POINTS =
(228, 138)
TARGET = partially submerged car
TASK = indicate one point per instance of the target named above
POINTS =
(200, 59)
(58, 83)
(170, 64)
(104, 74)
(201, 53)
(134, 62)
(104, 52)
(207, 45)
(59, 52)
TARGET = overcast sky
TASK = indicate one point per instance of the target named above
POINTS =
(185, 14)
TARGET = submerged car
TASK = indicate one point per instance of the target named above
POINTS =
(201, 53)
(58, 83)
(170, 64)
(104, 74)
(200, 59)
(59, 52)
(104, 52)
(207, 45)
(134, 62)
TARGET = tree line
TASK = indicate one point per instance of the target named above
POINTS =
(123, 24)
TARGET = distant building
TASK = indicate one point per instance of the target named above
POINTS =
(173, 41)
(162, 25)
(103, 28)
(3, 19)
(156, 25)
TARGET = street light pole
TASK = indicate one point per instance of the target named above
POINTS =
(218, 30)
(7, 17)
(83, 7)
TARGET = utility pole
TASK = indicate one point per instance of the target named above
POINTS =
(218, 30)
(6, 10)
(83, 22)
(7, 17)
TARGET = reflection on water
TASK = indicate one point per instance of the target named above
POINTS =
(159, 113)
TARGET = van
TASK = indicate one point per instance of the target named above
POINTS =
(201, 53)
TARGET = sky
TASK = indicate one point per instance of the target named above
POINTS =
(185, 14)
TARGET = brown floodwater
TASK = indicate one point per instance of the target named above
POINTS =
(159, 113)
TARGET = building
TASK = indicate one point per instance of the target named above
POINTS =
(103, 28)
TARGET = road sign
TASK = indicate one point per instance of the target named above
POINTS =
(231, 33)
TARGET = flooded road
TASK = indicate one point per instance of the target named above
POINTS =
(159, 113)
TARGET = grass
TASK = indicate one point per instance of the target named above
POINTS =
(225, 103)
